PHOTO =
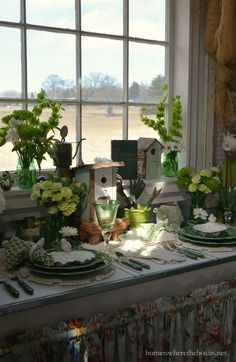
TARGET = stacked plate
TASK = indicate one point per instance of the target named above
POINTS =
(75, 263)
(192, 235)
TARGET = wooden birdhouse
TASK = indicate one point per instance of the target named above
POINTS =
(149, 158)
(100, 180)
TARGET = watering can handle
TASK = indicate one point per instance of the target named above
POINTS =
(77, 147)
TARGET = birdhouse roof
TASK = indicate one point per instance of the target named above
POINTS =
(95, 166)
(144, 143)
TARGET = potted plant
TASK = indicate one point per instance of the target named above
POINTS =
(30, 136)
(170, 136)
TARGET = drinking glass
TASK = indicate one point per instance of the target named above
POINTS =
(106, 211)
(228, 202)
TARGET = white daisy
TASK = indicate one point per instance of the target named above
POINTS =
(200, 213)
(68, 231)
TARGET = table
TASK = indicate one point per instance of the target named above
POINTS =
(51, 304)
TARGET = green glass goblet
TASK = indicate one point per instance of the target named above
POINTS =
(106, 211)
(228, 202)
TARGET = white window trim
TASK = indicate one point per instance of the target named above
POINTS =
(193, 78)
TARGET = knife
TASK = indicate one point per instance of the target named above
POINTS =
(11, 290)
(143, 265)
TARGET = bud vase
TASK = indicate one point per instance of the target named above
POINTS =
(26, 177)
(170, 164)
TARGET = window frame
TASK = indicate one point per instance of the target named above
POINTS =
(25, 99)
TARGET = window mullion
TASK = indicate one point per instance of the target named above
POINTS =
(78, 56)
(125, 67)
(24, 75)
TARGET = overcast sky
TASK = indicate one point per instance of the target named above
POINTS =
(50, 53)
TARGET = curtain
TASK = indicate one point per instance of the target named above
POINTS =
(219, 40)
(199, 326)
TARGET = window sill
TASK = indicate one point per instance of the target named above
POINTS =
(19, 205)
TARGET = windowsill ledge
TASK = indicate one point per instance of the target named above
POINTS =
(19, 205)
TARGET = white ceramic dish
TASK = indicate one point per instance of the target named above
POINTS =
(214, 228)
(62, 257)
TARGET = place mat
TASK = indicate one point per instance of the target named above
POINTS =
(26, 273)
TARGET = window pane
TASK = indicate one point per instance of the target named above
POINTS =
(102, 69)
(10, 10)
(104, 16)
(10, 63)
(101, 124)
(136, 127)
(147, 19)
(51, 64)
(57, 13)
(146, 82)
(8, 159)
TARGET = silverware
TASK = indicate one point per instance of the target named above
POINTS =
(186, 253)
(188, 250)
(11, 290)
(123, 260)
(22, 284)
(143, 265)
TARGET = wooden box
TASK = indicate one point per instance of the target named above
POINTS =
(149, 158)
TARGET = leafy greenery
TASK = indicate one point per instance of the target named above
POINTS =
(28, 134)
(174, 131)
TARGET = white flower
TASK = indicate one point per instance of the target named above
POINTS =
(167, 147)
(68, 231)
(12, 135)
(14, 123)
(200, 213)
(172, 146)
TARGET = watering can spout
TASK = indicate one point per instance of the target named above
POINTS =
(76, 151)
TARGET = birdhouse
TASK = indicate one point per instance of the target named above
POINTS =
(149, 158)
(100, 180)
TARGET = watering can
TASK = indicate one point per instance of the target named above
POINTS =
(63, 154)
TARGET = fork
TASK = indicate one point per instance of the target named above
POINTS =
(177, 250)
(22, 284)
(191, 251)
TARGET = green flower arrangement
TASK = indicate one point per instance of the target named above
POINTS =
(28, 134)
(173, 133)
(57, 197)
(205, 181)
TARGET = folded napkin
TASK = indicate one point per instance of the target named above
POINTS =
(146, 240)
(18, 250)
(152, 232)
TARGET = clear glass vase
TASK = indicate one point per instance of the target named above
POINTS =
(26, 177)
(170, 164)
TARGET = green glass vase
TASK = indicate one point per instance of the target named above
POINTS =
(170, 164)
(50, 231)
(198, 200)
(26, 177)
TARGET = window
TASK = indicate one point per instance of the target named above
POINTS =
(104, 59)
